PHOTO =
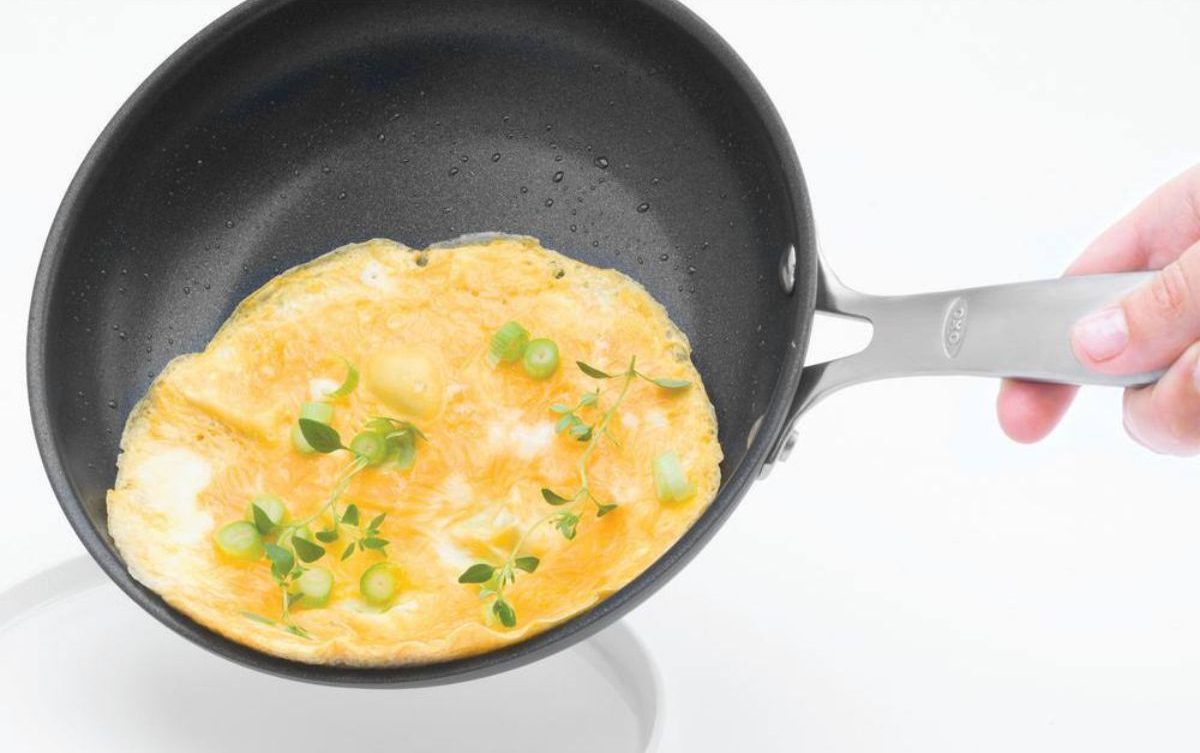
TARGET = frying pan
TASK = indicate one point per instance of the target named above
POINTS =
(626, 134)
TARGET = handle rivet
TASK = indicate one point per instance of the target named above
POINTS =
(787, 270)
(789, 444)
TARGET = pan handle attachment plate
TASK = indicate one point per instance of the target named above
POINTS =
(1021, 330)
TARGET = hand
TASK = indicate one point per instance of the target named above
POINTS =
(1155, 327)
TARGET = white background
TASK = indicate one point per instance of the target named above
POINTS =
(910, 580)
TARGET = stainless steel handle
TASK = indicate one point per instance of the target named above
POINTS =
(1020, 330)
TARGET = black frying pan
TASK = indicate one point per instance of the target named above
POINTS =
(626, 134)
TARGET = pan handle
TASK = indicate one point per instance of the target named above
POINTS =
(1021, 330)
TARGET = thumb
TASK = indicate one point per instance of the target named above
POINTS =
(1148, 330)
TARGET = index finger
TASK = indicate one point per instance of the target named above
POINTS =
(1153, 235)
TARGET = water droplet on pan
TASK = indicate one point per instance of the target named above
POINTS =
(601, 162)
(558, 176)
(643, 207)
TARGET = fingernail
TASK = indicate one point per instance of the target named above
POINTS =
(1103, 335)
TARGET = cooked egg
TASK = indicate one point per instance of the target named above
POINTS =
(215, 431)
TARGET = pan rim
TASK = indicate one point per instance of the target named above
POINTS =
(556, 638)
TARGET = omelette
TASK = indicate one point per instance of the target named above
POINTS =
(393, 456)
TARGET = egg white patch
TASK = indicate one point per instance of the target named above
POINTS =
(169, 483)
(447, 551)
(623, 493)
(492, 518)
(374, 275)
(524, 440)
(655, 419)
(407, 606)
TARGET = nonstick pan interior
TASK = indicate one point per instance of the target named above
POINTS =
(621, 133)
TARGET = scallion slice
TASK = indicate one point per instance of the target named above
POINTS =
(541, 358)
(379, 584)
(405, 452)
(371, 446)
(240, 540)
(508, 344)
(316, 586)
(273, 512)
(315, 411)
(670, 482)
(348, 385)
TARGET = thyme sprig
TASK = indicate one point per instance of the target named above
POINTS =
(572, 421)
(496, 577)
(383, 442)
(367, 537)
(591, 434)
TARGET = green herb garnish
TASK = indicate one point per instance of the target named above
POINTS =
(240, 540)
(480, 572)
(495, 578)
(379, 584)
(382, 442)
(570, 419)
(670, 482)
(504, 612)
(511, 343)
(541, 358)
(321, 437)
(267, 512)
(313, 411)
(508, 344)
(665, 383)
(590, 433)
